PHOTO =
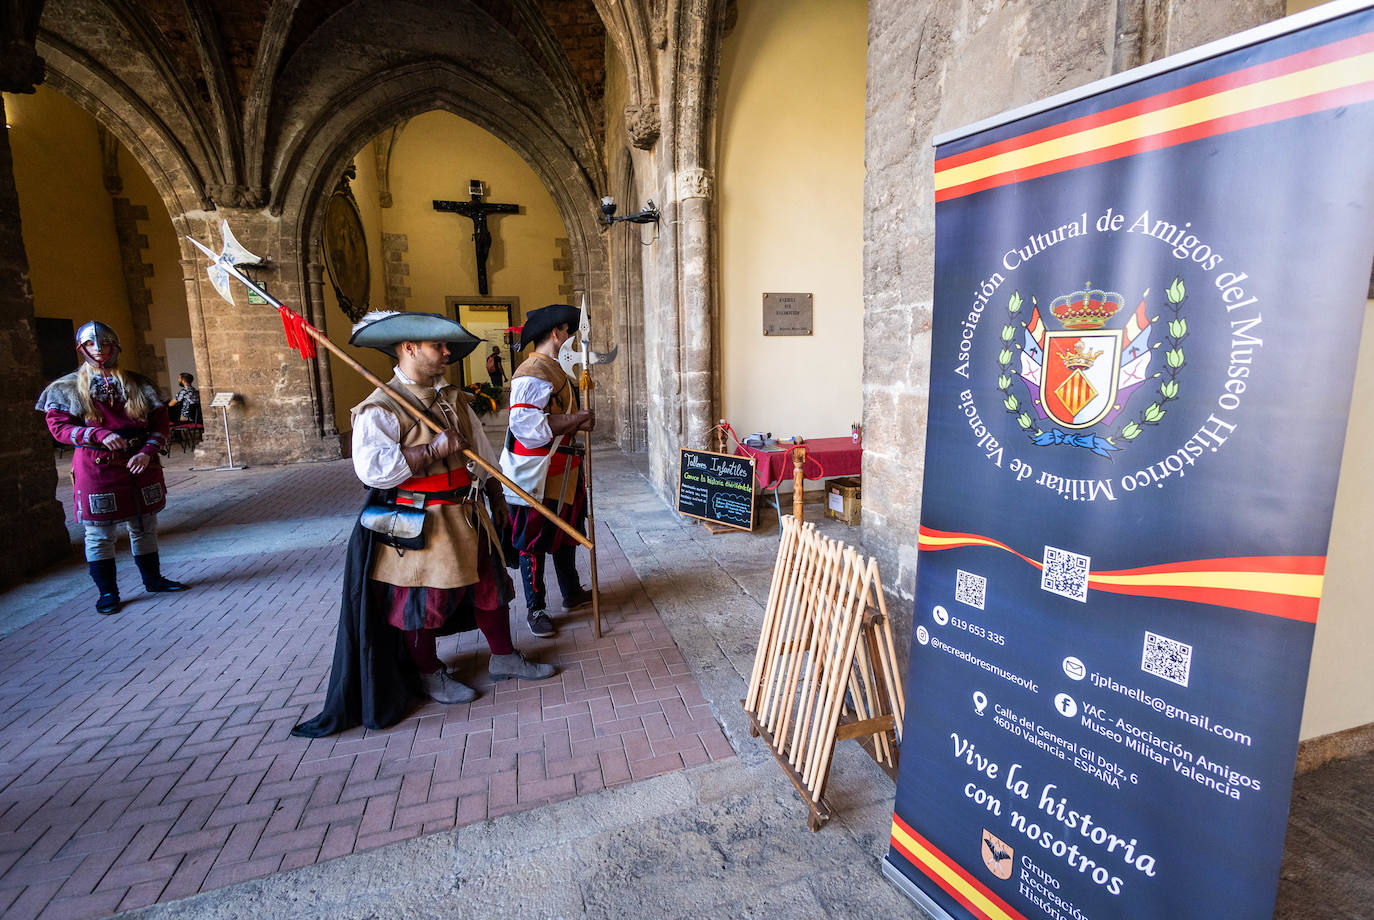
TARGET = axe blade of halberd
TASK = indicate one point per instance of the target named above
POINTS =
(605, 357)
(570, 357)
(222, 266)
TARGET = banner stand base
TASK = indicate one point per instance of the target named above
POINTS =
(907, 887)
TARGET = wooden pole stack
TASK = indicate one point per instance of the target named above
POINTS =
(826, 668)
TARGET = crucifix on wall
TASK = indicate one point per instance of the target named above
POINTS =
(476, 210)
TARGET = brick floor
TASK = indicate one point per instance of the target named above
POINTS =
(147, 756)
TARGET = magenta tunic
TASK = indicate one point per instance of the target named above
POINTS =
(105, 490)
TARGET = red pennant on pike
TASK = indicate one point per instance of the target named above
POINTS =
(296, 335)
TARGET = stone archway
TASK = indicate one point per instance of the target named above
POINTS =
(440, 85)
(256, 128)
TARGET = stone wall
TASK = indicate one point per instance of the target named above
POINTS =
(283, 412)
(396, 269)
(933, 67)
(28, 476)
(132, 245)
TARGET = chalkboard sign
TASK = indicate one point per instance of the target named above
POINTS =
(717, 487)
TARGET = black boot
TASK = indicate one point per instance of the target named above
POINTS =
(151, 571)
(103, 574)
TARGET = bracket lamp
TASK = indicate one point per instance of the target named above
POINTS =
(649, 215)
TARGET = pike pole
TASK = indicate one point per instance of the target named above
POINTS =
(299, 335)
(585, 385)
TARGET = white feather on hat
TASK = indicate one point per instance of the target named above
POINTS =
(369, 318)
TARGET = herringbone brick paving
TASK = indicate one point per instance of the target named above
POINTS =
(147, 756)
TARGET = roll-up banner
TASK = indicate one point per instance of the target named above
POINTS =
(1148, 301)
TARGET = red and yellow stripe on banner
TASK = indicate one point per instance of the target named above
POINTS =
(1280, 586)
(949, 875)
(1328, 77)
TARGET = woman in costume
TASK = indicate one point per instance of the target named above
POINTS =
(118, 423)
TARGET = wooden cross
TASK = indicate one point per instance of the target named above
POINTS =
(476, 210)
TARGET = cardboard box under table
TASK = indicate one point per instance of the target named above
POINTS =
(844, 499)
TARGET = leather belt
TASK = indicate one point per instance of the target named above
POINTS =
(445, 497)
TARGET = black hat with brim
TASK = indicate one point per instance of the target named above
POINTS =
(386, 333)
(538, 323)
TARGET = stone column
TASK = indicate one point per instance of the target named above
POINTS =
(28, 476)
(682, 323)
(696, 299)
(280, 416)
(322, 378)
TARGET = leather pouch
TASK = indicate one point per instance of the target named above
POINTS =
(399, 526)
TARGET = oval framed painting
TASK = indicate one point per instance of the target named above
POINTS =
(345, 252)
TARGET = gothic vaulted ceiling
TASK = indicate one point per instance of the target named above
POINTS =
(226, 102)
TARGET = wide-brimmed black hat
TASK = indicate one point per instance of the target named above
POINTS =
(385, 330)
(539, 322)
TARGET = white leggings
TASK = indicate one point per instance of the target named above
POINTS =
(100, 538)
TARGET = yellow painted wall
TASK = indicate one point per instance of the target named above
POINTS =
(69, 233)
(167, 314)
(790, 196)
(68, 220)
(435, 156)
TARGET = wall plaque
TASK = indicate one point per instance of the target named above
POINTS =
(786, 314)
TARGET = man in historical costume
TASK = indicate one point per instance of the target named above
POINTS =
(117, 423)
(396, 602)
(542, 456)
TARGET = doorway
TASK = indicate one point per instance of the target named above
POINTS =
(490, 319)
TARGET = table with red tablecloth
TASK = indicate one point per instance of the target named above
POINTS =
(825, 458)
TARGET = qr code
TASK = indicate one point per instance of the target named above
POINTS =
(970, 589)
(1065, 573)
(1167, 658)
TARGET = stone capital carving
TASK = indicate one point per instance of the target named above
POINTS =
(21, 69)
(237, 196)
(693, 183)
(642, 123)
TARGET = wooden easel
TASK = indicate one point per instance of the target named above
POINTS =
(826, 665)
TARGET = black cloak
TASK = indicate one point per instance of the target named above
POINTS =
(372, 678)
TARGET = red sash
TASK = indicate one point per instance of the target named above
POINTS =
(439, 482)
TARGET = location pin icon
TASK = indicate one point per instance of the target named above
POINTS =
(980, 701)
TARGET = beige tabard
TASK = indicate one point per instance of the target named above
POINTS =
(449, 559)
(560, 483)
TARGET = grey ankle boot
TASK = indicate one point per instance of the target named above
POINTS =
(444, 689)
(504, 667)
